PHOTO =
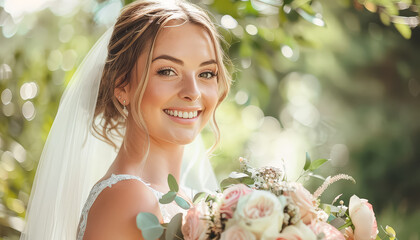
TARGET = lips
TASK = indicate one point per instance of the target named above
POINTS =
(182, 114)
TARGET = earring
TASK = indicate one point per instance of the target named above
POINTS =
(125, 110)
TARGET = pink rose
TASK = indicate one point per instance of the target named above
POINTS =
(363, 218)
(298, 231)
(231, 197)
(194, 227)
(305, 201)
(237, 233)
(348, 233)
(330, 232)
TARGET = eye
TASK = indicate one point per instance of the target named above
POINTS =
(207, 74)
(167, 72)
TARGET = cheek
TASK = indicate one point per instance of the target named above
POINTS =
(210, 97)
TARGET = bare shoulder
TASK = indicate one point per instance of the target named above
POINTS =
(113, 214)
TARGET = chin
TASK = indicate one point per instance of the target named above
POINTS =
(184, 141)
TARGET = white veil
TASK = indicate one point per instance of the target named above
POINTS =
(73, 160)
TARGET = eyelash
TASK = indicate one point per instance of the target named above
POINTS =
(213, 74)
(161, 72)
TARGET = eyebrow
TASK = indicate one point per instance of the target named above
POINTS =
(180, 62)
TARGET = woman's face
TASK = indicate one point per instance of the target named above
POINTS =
(182, 91)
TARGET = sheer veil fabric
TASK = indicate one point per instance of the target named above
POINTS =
(73, 160)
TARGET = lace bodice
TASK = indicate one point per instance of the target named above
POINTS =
(167, 210)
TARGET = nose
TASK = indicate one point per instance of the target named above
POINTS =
(190, 90)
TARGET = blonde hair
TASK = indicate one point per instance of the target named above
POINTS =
(135, 33)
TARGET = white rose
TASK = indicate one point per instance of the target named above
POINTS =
(363, 218)
(260, 212)
(298, 231)
(236, 232)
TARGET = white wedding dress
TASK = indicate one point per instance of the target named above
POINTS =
(167, 210)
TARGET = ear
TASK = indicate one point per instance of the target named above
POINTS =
(122, 93)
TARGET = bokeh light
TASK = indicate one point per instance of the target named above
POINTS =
(6, 96)
(28, 90)
(228, 22)
(5, 71)
(28, 110)
(9, 109)
(251, 29)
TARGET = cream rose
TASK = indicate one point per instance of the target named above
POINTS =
(330, 232)
(363, 218)
(305, 201)
(259, 212)
(298, 231)
(236, 232)
(230, 198)
(194, 227)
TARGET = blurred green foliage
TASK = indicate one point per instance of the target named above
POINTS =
(339, 79)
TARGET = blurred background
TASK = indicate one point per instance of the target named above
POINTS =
(339, 79)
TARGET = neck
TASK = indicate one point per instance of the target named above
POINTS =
(152, 166)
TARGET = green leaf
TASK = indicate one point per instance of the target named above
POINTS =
(314, 19)
(232, 181)
(173, 230)
(385, 18)
(331, 217)
(168, 197)
(149, 225)
(182, 203)
(347, 224)
(173, 185)
(327, 209)
(404, 30)
(337, 222)
(199, 196)
(317, 163)
(308, 162)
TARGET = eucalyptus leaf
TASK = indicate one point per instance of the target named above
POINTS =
(307, 162)
(237, 175)
(232, 181)
(199, 196)
(173, 230)
(331, 218)
(182, 203)
(168, 197)
(173, 185)
(149, 225)
(228, 182)
(317, 163)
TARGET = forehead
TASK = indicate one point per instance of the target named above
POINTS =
(185, 41)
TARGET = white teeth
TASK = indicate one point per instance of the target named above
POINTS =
(181, 114)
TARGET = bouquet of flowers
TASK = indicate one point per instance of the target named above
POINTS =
(259, 203)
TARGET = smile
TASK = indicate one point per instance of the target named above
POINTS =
(182, 114)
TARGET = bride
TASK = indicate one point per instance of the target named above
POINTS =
(147, 96)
